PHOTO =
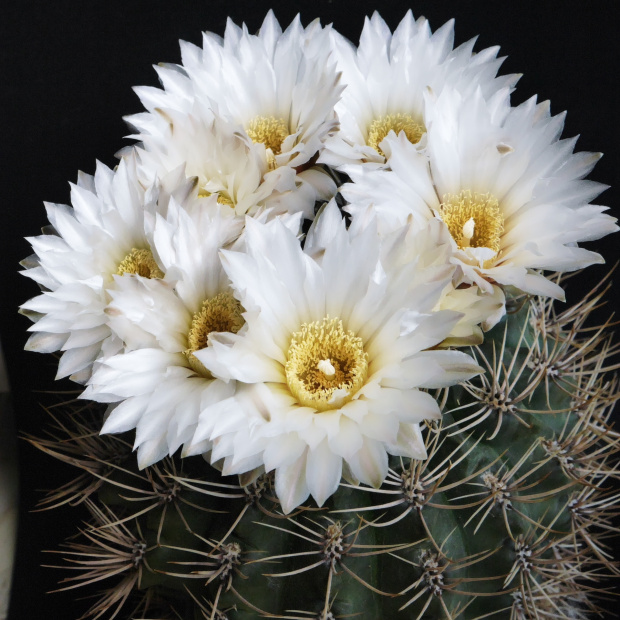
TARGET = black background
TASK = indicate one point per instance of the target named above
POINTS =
(66, 72)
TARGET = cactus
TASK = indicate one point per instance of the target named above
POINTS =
(511, 515)
(499, 496)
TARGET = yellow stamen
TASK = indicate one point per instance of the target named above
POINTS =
(326, 365)
(222, 198)
(222, 313)
(269, 131)
(474, 220)
(140, 262)
(225, 200)
(382, 126)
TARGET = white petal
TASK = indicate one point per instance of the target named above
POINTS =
(283, 452)
(409, 443)
(230, 356)
(436, 369)
(125, 415)
(323, 472)
(348, 441)
(44, 342)
(370, 464)
(291, 487)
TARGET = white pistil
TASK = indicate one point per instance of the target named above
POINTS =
(468, 232)
(325, 366)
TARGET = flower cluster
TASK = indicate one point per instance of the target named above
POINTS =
(181, 288)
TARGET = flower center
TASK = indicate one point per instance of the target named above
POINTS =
(269, 131)
(140, 262)
(221, 313)
(474, 220)
(222, 198)
(326, 365)
(382, 126)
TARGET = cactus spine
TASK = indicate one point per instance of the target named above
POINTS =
(511, 515)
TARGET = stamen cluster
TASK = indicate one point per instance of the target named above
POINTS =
(141, 263)
(474, 220)
(381, 127)
(222, 313)
(326, 364)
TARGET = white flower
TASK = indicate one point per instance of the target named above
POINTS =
(429, 244)
(331, 359)
(386, 79)
(102, 234)
(281, 87)
(509, 190)
(223, 162)
(274, 94)
(159, 385)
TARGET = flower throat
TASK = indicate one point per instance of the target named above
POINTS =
(222, 313)
(326, 365)
(381, 127)
(473, 219)
(140, 262)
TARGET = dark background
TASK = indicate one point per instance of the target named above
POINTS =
(66, 72)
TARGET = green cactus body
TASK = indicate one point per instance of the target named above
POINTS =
(509, 516)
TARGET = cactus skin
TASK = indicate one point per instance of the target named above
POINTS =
(509, 517)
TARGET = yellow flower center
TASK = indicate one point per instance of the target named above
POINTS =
(382, 126)
(474, 220)
(326, 365)
(221, 313)
(140, 262)
(222, 198)
(269, 131)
